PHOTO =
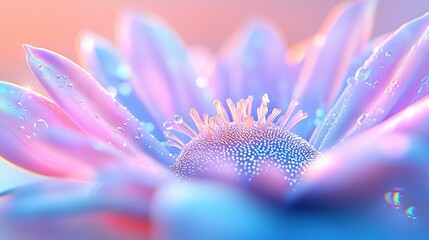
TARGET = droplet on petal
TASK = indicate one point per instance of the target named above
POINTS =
(393, 198)
(409, 212)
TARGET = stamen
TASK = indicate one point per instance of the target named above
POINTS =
(244, 145)
(285, 118)
(297, 118)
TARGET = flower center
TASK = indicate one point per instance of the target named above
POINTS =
(244, 148)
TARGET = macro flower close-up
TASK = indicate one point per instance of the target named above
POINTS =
(148, 138)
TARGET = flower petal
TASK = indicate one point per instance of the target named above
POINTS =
(372, 80)
(166, 80)
(210, 211)
(87, 103)
(402, 89)
(114, 74)
(362, 169)
(25, 114)
(254, 64)
(342, 37)
(75, 210)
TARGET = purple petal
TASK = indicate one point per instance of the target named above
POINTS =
(113, 73)
(342, 37)
(25, 114)
(372, 80)
(87, 103)
(254, 64)
(365, 167)
(402, 89)
(166, 80)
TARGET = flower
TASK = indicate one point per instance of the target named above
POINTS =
(110, 175)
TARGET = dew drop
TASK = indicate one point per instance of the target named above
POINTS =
(70, 86)
(120, 131)
(40, 67)
(362, 118)
(39, 125)
(363, 73)
(388, 54)
(393, 198)
(265, 98)
(352, 80)
(12, 91)
(168, 125)
(178, 119)
(410, 212)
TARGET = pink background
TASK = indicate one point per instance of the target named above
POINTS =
(54, 24)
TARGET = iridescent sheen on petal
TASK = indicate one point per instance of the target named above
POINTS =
(372, 80)
(342, 37)
(116, 76)
(254, 64)
(359, 170)
(25, 115)
(166, 80)
(88, 104)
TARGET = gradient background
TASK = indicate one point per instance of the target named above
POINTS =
(54, 24)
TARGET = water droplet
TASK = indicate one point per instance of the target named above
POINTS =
(112, 91)
(388, 54)
(362, 118)
(363, 73)
(58, 76)
(40, 67)
(265, 98)
(351, 80)
(19, 103)
(23, 116)
(39, 126)
(393, 198)
(12, 91)
(178, 119)
(168, 125)
(21, 127)
(410, 212)
(120, 131)
(70, 86)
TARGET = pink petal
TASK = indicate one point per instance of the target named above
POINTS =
(87, 103)
(25, 114)
(372, 81)
(342, 37)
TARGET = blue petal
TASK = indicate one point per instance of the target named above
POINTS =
(108, 67)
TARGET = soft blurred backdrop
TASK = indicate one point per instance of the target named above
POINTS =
(54, 24)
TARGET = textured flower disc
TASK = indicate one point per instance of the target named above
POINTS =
(243, 147)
